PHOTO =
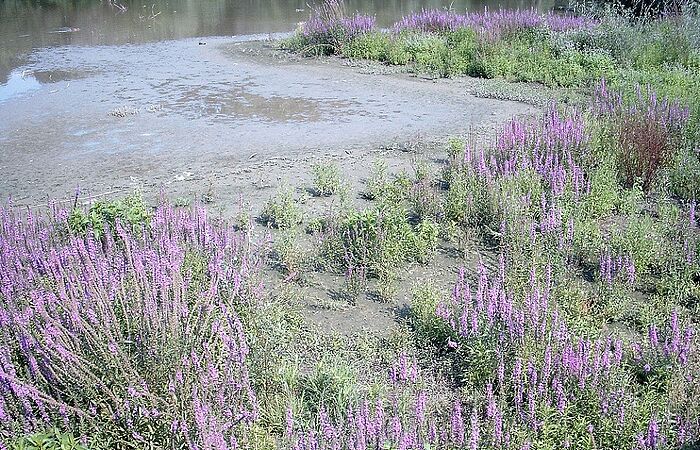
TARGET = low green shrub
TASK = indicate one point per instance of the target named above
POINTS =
(128, 211)
(684, 175)
(282, 210)
(287, 251)
(331, 386)
(377, 181)
(430, 328)
(326, 179)
(471, 202)
(430, 54)
(604, 196)
(373, 46)
(377, 240)
(643, 239)
(463, 57)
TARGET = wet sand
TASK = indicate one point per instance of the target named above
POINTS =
(179, 115)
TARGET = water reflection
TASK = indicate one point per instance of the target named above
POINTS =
(30, 24)
(233, 103)
(18, 83)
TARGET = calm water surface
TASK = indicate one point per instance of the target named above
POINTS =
(26, 25)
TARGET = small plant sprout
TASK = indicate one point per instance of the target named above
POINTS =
(326, 180)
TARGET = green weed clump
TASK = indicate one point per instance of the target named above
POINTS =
(377, 185)
(52, 439)
(100, 216)
(326, 179)
(288, 252)
(378, 240)
(282, 210)
(372, 46)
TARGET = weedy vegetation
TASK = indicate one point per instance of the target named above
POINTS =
(326, 180)
(574, 326)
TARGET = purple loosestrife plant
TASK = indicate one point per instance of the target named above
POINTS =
(492, 24)
(134, 337)
(550, 368)
(525, 184)
(329, 28)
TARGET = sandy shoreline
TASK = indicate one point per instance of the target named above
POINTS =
(232, 117)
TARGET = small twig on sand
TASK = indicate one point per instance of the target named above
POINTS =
(153, 13)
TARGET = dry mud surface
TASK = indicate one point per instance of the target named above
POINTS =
(230, 119)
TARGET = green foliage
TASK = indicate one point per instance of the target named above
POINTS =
(387, 285)
(684, 175)
(128, 211)
(282, 210)
(430, 54)
(378, 240)
(377, 184)
(536, 58)
(374, 46)
(295, 43)
(604, 197)
(425, 201)
(182, 202)
(426, 239)
(48, 440)
(326, 179)
(287, 251)
(472, 203)
(643, 239)
(330, 385)
(463, 55)
(455, 150)
(663, 46)
(426, 324)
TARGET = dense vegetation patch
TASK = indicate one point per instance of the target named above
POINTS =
(553, 49)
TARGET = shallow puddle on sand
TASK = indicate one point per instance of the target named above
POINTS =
(21, 82)
(224, 102)
(18, 83)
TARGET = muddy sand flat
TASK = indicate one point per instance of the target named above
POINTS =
(182, 116)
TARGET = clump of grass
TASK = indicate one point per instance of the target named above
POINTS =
(428, 326)
(377, 182)
(182, 202)
(326, 179)
(288, 252)
(455, 150)
(282, 210)
(684, 174)
(387, 285)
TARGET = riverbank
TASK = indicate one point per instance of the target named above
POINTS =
(210, 124)
(503, 275)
